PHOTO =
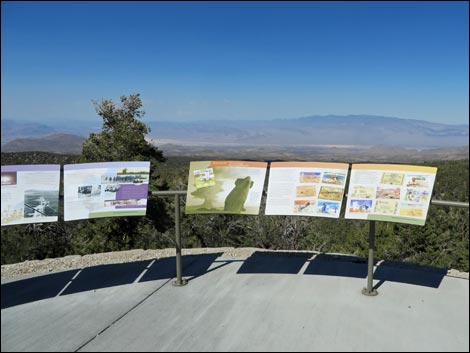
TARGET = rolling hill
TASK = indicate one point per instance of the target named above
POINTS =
(56, 143)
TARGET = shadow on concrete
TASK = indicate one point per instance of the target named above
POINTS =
(105, 276)
(36, 288)
(393, 271)
(193, 266)
(337, 265)
(274, 262)
(341, 266)
(261, 262)
(102, 276)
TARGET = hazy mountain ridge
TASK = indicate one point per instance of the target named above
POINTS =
(12, 130)
(301, 136)
(56, 143)
(317, 130)
(23, 129)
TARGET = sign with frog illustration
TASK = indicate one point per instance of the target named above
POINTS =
(233, 187)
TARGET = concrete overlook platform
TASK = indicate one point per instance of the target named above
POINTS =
(270, 301)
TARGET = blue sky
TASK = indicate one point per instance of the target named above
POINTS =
(236, 60)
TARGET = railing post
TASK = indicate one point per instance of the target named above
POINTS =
(179, 266)
(369, 290)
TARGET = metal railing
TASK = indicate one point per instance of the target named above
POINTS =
(369, 290)
(449, 203)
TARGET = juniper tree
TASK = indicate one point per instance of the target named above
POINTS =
(123, 135)
(122, 138)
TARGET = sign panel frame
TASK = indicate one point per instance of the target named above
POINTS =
(108, 189)
(390, 193)
(225, 187)
(313, 189)
(30, 194)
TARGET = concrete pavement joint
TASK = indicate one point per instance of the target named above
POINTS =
(120, 317)
(131, 309)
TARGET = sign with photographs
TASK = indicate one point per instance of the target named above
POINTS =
(306, 189)
(30, 194)
(389, 192)
(113, 189)
(233, 187)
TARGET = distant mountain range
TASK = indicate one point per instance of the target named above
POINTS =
(358, 131)
(56, 143)
(12, 130)
(23, 129)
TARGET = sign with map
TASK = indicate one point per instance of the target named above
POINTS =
(112, 189)
(233, 187)
(389, 192)
(306, 189)
(30, 194)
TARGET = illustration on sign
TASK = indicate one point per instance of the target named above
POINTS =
(94, 190)
(233, 187)
(306, 188)
(388, 192)
(30, 194)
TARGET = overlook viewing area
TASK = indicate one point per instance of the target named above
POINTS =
(246, 301)
(235, 177)
(242, 299)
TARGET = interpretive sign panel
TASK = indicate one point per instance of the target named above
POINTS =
(306, 189)
(389, 192)
(30, 193)
(233, 187)
(112, 189)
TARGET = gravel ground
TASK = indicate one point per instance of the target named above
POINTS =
(36, 267)
(78, 261)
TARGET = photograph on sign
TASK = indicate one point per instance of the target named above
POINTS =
(30, 194)
(389, 192)
(233, 187)
(112, 189)
(306, 189)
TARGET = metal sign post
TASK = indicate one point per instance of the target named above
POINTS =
(179, 265)
(369, 290)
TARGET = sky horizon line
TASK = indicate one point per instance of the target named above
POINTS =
(156, 120)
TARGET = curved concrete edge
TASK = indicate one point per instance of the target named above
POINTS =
(262, 303)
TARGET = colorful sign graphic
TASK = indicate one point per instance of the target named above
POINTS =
(233, 187)
(113, 189)
(388, 192)
(306, 189)
(30, 194)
